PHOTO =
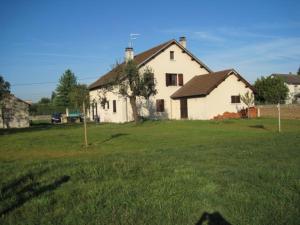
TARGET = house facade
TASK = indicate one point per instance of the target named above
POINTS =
(186, 87)
(292, 82)
(14, 113)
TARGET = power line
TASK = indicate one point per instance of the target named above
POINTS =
(49, 82)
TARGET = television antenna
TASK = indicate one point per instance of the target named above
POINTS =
(132, 37)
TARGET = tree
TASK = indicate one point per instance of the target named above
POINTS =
(248, 99)
(4, 88)
(53, 96)
(132, 84)
(79, 95)
(4, 93)
(66, 83)
(270, 90)
(298, 73)
(45, 101)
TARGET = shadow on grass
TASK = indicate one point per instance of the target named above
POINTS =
(113, 136)
(21, 190)
(38, 127)
(214, 218)
(258, 126)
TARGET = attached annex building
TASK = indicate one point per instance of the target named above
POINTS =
(186, 87)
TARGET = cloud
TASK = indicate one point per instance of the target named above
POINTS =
(277, 25)
(242, 33)
(207, 36)
(261, 58)
(254, 50)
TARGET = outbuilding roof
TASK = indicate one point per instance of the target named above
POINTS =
(202, 85)
(141, 59)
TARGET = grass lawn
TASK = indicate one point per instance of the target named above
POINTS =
(163, 172)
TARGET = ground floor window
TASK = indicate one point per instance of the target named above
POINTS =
(160, 105)
(235, 99)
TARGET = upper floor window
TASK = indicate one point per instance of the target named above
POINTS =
(235, 99)
(171, 55)
(171, 79)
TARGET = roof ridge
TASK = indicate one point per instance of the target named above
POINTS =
(162, 44)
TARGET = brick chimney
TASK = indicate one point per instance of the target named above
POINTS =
(129, 54)
(182, 41)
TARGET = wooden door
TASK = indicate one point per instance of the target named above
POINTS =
(183, 108)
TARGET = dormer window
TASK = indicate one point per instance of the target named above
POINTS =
(171, 55)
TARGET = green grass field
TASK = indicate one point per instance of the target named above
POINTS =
(162, 172)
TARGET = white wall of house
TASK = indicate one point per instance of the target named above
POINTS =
(218, 101)
(123, 109)
(293, 90)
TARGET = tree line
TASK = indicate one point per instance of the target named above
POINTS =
(68, 94)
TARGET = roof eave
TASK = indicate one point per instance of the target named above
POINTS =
(189, 96)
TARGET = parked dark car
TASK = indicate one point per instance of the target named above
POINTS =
(56, 118)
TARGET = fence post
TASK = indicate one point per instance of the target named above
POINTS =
(84, 121)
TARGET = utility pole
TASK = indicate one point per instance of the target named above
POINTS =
(84, 121)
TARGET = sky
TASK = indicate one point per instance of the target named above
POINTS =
(39, 40)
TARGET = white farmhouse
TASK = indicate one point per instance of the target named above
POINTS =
(186, 87)
(293, 83)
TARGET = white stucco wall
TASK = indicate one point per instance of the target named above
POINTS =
(123, 110)
(218, 101)
(293, 90)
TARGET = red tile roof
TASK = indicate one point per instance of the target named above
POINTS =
(202, 85)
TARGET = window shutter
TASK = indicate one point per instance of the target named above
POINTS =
(167, 80)
(114, 106)
(180, 79)
(162, 102)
